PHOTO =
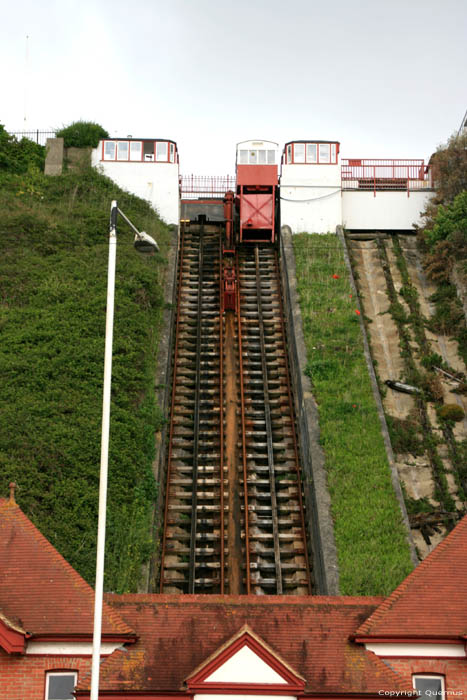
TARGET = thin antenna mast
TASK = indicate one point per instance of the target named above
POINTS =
(26, 84)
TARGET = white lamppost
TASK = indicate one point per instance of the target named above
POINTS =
(145, 244)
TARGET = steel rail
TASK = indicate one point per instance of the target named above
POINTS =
(294, 432)
(221, 416)
(194, 497)
(172, 406)
(268, 425)
(244, 453)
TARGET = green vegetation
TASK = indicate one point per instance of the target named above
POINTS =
(371, 540)
(19, 156)
(80, 134)
(451, 412)
(53, 279)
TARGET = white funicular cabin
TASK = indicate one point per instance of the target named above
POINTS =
(147, 168)
(311, 186)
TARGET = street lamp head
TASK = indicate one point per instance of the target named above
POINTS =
(144, 243)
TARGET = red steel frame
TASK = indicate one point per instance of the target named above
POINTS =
(206, 186)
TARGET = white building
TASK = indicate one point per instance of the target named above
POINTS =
(318, 192)
(147, 168)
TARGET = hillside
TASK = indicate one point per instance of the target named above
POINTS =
(53, 279)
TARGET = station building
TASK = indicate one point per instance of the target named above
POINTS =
(148, 168)
(201, 647)
(318, 190)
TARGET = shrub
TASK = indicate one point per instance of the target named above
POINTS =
(81, 134)
(451, 411)
(19, 156)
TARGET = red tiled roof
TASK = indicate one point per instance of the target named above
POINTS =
(310, 633)
(432, 601)
(39, 590)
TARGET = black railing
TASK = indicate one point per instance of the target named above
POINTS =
(39, 137)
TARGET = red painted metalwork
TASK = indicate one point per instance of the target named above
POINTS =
(229, 201)
(377, 174)
(221, 424)
(230, 289)
(206, 186)
(257, 175)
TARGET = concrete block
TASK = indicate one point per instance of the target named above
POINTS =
(54, 157)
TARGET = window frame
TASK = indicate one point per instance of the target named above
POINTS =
(127, 143)
(435, 676)
(61, 672)
(109, 141)
(333, 147)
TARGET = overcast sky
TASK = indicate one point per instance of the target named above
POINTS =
(386, 78)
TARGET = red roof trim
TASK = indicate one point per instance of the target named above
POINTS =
(123, 638)
(247, 688)
(11, 641)
(293, 682)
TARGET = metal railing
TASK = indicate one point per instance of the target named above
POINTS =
(206, 186)
(36, 135)
(379, 174)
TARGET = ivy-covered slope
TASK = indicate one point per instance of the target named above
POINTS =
(53, 277)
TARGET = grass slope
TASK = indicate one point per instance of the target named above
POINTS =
(372, 548)
(53, 278)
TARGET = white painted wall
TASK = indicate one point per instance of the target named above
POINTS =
(158, 183)
(388, 210)
(69, 648)
(429, 650)
(311, 197)
(245, 667)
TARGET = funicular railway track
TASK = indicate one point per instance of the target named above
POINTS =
(232, 424)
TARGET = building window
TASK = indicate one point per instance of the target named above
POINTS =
(324, 156)
(299, 153)
(136, 149)
(162, 154)
(122, 150)
(429, 686)
(60, 685)
(109, 150)
(271, 157)
(311, 153)
(172, 152)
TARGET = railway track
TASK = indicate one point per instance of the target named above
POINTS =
(234, 518)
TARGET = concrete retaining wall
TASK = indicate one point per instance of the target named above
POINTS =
(163, 395)
(317, 498)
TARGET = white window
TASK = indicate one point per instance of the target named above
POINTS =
(253, 157)
(109, 150)
(271, 157)
(122, 150)
(136, 149)
(172, 152)
(243, 156)
(289, 153)
(311, 153)
(299, 153)
(262, 157)
(333, 153)
(324, 153)
(59, 685)
(162, 151)
(429, 687)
